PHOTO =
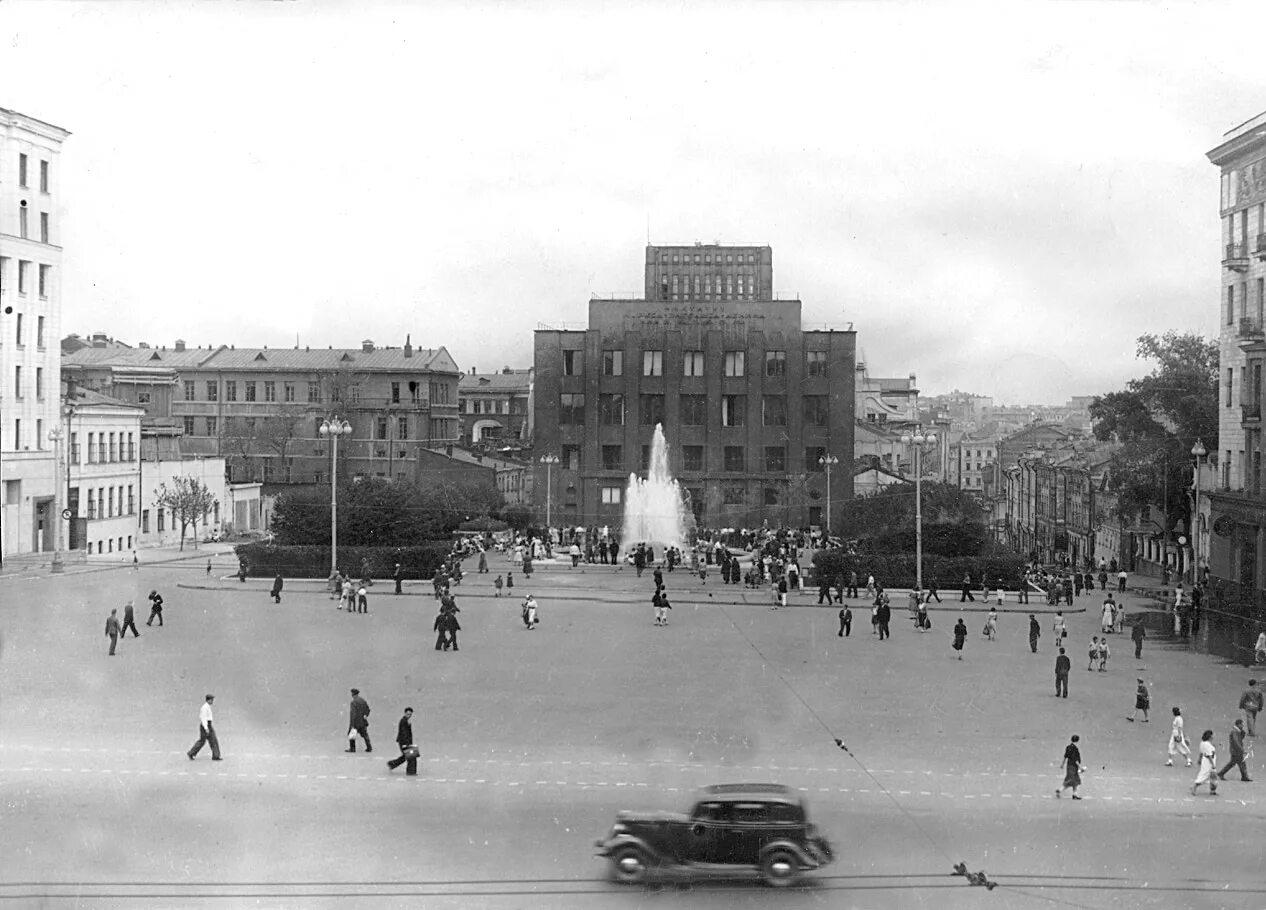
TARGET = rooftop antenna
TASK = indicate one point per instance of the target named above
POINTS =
(648, 229)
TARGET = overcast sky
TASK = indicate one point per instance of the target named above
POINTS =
(999, 198)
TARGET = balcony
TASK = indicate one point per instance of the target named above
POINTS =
(1251, 327)
(1236, 257)
(1260, 251)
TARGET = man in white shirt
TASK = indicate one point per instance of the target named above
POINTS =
(206, 732)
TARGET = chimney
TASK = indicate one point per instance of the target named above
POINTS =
(367, 346)
(408, 346)
(99, 339)
(180, 344)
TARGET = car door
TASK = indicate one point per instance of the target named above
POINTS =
(707, 833)
(746, 833)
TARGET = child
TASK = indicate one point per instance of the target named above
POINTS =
(1094, 652)
(497, 583)
(1142, 701)
(1104, 654)
(509, 583)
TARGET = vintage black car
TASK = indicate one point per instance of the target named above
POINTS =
(733, 828)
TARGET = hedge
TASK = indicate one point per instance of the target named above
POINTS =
(311, 561)
(897, 570)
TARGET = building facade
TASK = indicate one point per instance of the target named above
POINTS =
(709, 272)
(30, 315)
(750, 404)
(103, 476)
(496, 409)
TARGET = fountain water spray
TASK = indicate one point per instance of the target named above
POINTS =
(654, 511)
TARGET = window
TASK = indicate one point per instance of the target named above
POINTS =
(270, 391)
(21, 169)
(17, 434)
(1230, 378)
(45, 271)
(570, 458)
(775, 363)
(213, 393)
(18, 330)
(39, 332)
(652, 363)
(692, 363)
(188, 426)
(39, 433)
(131, 501)
(161, 521)
(571, 408)
(314, 392)
(611, 496)
(92, 455)
(612, 363)
(43, 227)
(816, 409)
(613, 458)
(733, 363)
(211, 426)
(651, 410)
(774, 410)
(772, 496)
(692, 458)
(733, 494)
(1230, 303)
(815, 363)
(250, 391)
(43, 176)
(611, 410)
(698, 282)
(23, 222)
(733, 407)
(402, 429)
(24, 269)
(17, 383)
(775, 459)
(114, 447)
(729, 286)
(189, 390)
(693, 410)
(573, 363)
(740, 285)
(230, 390)
(735, 458)
(811, 456)
(676, 286)
(288, 391)
(707, 285)
(39, 383)
(110, 501)
(380, 428)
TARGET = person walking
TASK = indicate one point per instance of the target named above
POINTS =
(398, 576)
(1208, 765)
(358, 722)
(408, 751)
(991, 626)
(482, 568)
(1025, 578)
(276, 591)
(362, 598)
(1035, 632)
(1121, 579)
(960, 636)
(451, 626)
(884, 617)
(1142, 701)
(1060, 628)
(112, 630)
(921, 615)
(782, 590)
(824, 588)
(1250, 704)
(1094, 652)
(1237, 752)
(1178, 740)
(129, 621)
(208, 567)
(852, 584)
(967, 595)
(846, 623)
(1104, 653)
(497, 583)
(206, 732)
(657, 601)
(440, 627)
(1108, 618)
(1072, 766)
(156, 608)
(509, 584)
(932, 591)
(1138, 634)
(1063, 666)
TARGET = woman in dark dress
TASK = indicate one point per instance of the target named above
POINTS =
(960, 636)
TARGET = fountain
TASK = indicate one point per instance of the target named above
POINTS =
(654, 511)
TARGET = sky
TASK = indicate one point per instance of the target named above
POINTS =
(998, 197)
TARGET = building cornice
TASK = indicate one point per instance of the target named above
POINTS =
(34, 125)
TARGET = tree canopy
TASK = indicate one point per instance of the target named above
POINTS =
(188, 498)
(1157, 419)
(953, 521)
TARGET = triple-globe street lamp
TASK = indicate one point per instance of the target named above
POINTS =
(55, 437)
(918, 438)
(826, 461)
(549, 461)
(1198, 452)
(334, 427)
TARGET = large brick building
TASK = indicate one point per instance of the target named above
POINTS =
(749, 401)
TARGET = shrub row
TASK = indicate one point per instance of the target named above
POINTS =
(310, 561)
(897, 570)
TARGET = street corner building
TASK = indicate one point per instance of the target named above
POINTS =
(749, 399)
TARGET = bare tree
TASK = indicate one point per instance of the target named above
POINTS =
(188, 499)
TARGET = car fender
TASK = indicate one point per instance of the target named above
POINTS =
(611, 844)
(804, 859)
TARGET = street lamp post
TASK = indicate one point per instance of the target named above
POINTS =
(1198, 452)
(334, 428)
(549, 461)
(918, 438)
(55, 436)
(826, 461)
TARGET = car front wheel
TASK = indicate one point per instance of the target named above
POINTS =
(629, 865)
(779, 869)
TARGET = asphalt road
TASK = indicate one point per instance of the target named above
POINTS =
(532, 740)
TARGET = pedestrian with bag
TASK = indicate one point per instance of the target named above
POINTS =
(156, 608)
(358, 722)
(1142, 701)
(408, 751)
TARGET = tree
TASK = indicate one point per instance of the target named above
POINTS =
(1157, 419)
(953, 521)
(188, 499)
(518, 516)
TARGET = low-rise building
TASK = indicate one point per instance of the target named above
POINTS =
(496, 409)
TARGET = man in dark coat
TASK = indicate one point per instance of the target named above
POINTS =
(1138, 635)
(846, 623)
(451, 626)
(1063, 666)
(156, 610)
(398, 575)
(129, 621)
(1237, 752)
(1035, 632)
(883, 617)
(824, 588)
(276, 591)
(404, 739)
(358, 722)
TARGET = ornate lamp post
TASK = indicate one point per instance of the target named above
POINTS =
(55, 436)
(1198, 452)
(549, 461)
(918, 438)
(334, 427)
(826, 461)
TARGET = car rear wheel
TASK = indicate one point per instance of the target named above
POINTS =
(630, 865)
(779, 868)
